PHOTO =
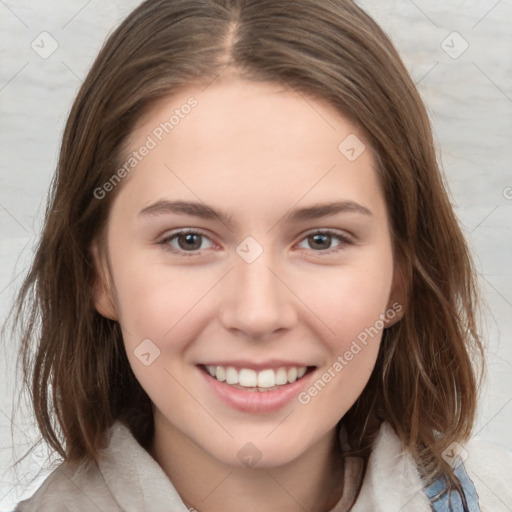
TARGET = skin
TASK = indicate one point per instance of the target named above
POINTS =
(256, 151)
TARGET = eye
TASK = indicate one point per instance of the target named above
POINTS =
(190, 242)
(321, 241)
(187, 242)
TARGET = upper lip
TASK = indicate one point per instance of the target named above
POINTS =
(257, 366)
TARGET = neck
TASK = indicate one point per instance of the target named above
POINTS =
(313, 481)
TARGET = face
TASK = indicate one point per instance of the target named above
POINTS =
(250, 243)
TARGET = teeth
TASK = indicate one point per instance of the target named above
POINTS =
(231, 375)
(292, 374)
(249, 378)
(281, 376)
(266, 379)
(220, 374)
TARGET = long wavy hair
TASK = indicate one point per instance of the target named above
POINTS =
(429, 368)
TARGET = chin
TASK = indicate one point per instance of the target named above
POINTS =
(262, 452)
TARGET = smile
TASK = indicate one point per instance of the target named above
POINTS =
(251, 380)
(256, 390)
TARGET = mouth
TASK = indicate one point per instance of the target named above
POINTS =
(262, 380)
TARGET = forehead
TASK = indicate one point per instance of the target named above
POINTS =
(235, 110)
(260, 143)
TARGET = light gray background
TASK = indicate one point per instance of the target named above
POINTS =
(469, 98)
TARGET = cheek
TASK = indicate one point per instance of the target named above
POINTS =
(351, 299)
(156, 301)
(159, 311)
(354, 307)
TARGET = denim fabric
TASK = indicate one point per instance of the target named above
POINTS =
(442, 504)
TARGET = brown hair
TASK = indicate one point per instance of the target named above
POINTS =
(424, 383)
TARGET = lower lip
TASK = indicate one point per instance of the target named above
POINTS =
(256, 401)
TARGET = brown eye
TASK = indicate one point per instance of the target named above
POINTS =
(189, 241)
(186, 242)
(322, 241)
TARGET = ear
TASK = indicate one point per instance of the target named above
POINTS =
(102, 287)
(397, 297)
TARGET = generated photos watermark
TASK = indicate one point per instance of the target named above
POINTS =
(356, 347)
(152, 141)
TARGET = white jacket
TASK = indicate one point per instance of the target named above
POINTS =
(130, 480)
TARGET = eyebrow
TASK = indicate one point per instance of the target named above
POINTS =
(204, 211)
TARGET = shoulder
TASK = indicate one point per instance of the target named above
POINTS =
(489, 466)
(393, 482)
(77, 487)
(67, 488)
(126, 479)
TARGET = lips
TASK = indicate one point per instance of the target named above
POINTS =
(256, 400)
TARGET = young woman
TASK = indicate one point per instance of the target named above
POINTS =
(251, 291)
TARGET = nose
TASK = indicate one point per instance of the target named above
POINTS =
(257, 300)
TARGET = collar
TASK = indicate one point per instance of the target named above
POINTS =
(391, 482)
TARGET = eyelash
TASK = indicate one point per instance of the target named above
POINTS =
(344, 241)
